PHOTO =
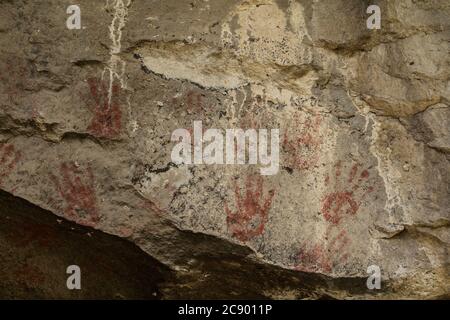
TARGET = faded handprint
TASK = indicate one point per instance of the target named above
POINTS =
(77, 189)
(9, 158)
(346, 198)
(194, 102)
(252, 210)
(302, 142)
(259, 114)
(324, 257)
(107, 121)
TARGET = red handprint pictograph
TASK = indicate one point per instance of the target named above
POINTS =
(107, 121)
(9, 159)
(250, 217)
(348, 194)
(77, 189)
(302, 142)
(324, 257)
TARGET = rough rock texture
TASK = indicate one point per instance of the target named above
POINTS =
(86, 118)
(36, 249)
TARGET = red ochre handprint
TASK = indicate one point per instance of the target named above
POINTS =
(9, 158)
(107, 121)
(348, 194)
(251, 210)
(324, 257)
(302, 142)
(78, 190)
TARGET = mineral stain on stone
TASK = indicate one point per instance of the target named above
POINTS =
(341, 203)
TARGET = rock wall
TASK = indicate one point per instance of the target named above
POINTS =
(36, 250)
(87, 117)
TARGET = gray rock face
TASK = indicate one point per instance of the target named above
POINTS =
(87, 116)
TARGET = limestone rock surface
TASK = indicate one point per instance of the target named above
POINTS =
(86, 119)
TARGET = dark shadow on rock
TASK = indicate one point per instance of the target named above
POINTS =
(36, 247)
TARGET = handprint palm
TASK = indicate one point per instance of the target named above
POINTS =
(252, 211)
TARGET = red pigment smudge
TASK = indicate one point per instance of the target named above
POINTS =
(9, 158)
(151, 206)
(324, 257)
(194, 102)
(107, 120)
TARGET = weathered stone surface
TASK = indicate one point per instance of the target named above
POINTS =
(86, 119)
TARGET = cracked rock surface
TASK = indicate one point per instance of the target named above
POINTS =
(86, 118)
